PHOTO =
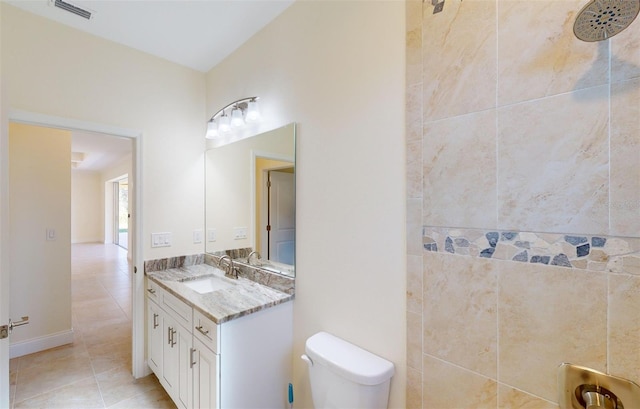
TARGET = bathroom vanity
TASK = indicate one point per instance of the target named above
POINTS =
(217, 342)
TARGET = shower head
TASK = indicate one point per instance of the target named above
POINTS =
(601, 19)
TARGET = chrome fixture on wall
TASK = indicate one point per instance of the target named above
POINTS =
(233, 116)
(601, 19)
(585, 388)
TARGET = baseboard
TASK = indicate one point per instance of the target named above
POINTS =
(40, 343)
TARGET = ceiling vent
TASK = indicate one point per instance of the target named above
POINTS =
(71, 8)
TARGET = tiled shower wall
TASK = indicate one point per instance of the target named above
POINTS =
(523, 202)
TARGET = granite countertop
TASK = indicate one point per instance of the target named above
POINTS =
(242, 298)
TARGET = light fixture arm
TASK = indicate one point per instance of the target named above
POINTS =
(240, 104)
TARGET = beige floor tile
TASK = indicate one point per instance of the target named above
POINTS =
(53, 355)
(47, 377)
(118, 384)
(105, 357)
(83, 394)
(99, 360)
(155, 398)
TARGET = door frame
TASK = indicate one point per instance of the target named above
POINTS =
(255, 154)
(139, 367)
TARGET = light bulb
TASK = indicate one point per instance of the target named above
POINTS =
(212, 130)
(253, 112)
(224, 125)
(236, 118)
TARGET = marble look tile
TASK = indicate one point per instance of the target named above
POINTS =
(414, 227)
(109, 356)
(624, 326)
(414, 284)
(83, 394)
(107, 332)
(446, 386)
(549, 315)
(553, 177)
(512, 398)
(459, 166)
(414, 166)
(459, 58)
(460, 321)
(155, 398)
(117, 385)
(413, 10)
(414, 340)
(625, 158)
(55, 374)
(554, 60)
(625, 54)
(50, 356)
(414, 388)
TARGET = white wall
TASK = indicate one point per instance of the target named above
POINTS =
(86, 207)
(40, 200)
(337, 69)
(51, 69)
(4, 242)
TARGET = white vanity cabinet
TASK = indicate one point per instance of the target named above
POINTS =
(242, 363)
(169, 344)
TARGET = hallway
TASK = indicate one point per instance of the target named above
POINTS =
(95, 371)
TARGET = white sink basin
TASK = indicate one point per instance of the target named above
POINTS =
(208, 284)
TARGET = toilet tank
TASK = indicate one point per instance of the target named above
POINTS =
(343, 375)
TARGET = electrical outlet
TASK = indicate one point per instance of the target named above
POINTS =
(239, 233)
(197, 236)
(212, 234)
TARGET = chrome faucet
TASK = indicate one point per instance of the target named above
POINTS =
(251, 254)
(230, 270)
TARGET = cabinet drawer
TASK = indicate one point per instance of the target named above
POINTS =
(180, 311)
(153, 290)
(205, 330)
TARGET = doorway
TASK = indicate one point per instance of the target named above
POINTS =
(121, 212)
(134, 229)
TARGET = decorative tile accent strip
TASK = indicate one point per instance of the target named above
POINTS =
(173, 262)
(598, 253)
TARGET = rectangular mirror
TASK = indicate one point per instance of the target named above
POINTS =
(250, 199)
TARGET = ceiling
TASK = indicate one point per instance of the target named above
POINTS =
(99, 151)
(194, 33)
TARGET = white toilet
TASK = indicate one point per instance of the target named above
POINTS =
(344, 376)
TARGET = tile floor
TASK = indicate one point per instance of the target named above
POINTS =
(94, 371)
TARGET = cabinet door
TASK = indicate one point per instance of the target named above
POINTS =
(154, 333)
(176, 362)
(185, 373)
(206, 372)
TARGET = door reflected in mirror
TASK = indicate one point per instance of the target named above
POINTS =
(250, 199)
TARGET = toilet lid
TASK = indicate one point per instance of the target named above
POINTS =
(348, 360)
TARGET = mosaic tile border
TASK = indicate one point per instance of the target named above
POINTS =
(597, 253)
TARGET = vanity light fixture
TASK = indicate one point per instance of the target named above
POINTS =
(233, 116)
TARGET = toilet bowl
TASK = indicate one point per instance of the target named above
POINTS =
(345, 376)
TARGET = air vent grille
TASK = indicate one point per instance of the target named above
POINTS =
(72, 9)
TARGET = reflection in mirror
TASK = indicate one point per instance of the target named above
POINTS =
(250, 199)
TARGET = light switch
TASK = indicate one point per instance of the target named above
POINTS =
(160, 239)
(212, 234)
(197, 236)
(51, 234)
(239, 233)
